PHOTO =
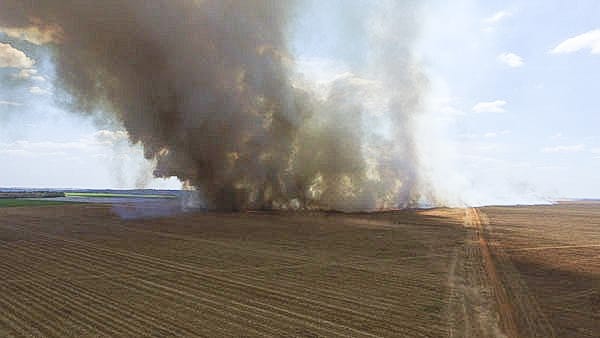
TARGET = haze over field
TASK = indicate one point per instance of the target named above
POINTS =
(346, 104)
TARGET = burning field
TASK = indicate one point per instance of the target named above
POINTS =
(213, 94)
(80, 270)
(299, 187)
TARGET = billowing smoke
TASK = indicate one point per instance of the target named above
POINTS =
(208, 88)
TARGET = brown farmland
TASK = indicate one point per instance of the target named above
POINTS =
(549, 257)
(80, 270)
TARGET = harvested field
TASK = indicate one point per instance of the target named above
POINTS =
(20, 202)
(549, 261)
(80, 270)
(30, 194)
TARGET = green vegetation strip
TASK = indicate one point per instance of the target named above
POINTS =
(16, 202)
(115, 195)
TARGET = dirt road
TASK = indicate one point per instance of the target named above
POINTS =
(547, 257)
(509, 308)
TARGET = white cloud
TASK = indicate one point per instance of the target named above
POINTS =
(589, 40)
(511, 59)
(34, 34)
(11, 57)
(490, 107)
(497, 17)
(564, 149)
(9, 103)
(109, 137)
(39, 91)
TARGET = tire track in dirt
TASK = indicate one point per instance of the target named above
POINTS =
(558, 247)
(519, 311)
(505, 307)
(456, 312)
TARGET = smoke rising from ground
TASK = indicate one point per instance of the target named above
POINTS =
(208, 88)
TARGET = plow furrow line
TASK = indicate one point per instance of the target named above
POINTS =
(421, 282)
(356, 283)
(41, 256)
(67, 266)
(273, 311)
(26, 324)
(18, 324)
(300, 304)
(220, 312)
(103, 256)
(32, 301)
(390, 303)
(234, 248)
(95, 318)
(142, 315)
(201, 273)
(282, 296)
(99, 262)
(556, 247)
(100, 299)
(267, 268)
(566, 309)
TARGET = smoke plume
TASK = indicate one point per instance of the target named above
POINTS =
(208, 88)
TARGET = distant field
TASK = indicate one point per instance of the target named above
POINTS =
(30, 194)
(116, 195)
(18, 202)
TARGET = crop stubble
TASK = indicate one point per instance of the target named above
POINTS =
(79, 270)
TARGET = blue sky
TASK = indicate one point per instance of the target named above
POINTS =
(512, 105)
(527, 111)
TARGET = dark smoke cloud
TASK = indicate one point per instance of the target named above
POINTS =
(206, 86)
